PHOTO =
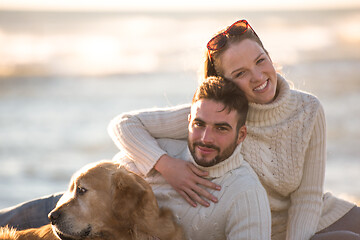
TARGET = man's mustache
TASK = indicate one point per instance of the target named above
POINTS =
(200, 144)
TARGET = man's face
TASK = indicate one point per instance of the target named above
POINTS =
(213, 136)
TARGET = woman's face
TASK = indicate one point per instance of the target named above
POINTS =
(247, 64)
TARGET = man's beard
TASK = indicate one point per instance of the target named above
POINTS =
(225, 154)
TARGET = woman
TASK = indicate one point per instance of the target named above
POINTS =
(285, 144)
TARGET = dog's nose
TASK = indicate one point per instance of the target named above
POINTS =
(54, 216)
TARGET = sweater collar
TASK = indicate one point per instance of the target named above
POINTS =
(274, 112)
(218, 170)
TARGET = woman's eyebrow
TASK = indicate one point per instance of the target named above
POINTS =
(236, 70)
(259, 56)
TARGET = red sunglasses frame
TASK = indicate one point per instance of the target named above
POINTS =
(227, 33)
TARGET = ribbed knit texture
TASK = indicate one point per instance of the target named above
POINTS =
(132, 134)
(243, 210)
(285, 145)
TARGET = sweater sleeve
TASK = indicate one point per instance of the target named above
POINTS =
(249, 217)
(306, 201)
(135, 133)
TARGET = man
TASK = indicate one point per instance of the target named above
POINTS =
(216, 130)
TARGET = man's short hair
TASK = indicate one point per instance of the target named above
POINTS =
(226, 92)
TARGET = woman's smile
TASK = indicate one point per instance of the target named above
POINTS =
(262, 86)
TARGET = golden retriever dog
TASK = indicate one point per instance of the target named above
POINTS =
(105, 201)
(44, 232)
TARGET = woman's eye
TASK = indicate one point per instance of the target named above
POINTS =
(81, 190)
(260, 60)
(239, 74)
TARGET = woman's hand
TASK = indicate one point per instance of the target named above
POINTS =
(184, 177)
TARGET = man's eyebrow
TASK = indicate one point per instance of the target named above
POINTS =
(198, 120)
(223, 124)
(219, 124)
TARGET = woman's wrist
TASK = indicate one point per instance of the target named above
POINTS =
(161, 163)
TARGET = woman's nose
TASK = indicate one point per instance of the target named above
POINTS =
(257, 75)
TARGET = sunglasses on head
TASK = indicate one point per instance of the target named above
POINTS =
(219, 41)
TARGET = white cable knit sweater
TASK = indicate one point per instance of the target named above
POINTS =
(243, 210)
(285, 146)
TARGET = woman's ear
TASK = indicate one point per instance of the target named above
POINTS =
(189, 117)
(241, 134)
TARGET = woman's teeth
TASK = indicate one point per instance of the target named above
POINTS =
(261, 87)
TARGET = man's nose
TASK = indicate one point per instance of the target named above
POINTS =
(207, 135)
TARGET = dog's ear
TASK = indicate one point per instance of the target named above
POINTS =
(128, 192)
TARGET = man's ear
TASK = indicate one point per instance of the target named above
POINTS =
(127, 193)
(241, 134)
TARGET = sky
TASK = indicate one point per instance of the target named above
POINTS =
(164, 5)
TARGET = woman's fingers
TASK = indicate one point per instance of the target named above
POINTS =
(205, 194)
(187, 180)
(193, 187)
(202, 181)
(196, 194)
(195, 197)
(187, 198)
(197, 171)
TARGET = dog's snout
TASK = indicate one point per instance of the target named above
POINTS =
(54, 216)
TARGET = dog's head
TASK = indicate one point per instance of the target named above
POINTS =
(102, 201)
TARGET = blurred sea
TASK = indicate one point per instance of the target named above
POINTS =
(65, 75)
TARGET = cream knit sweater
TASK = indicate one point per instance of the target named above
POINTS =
(243, 210)
(285, 146)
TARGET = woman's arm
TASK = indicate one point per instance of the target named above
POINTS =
(306, 202)
(134, 134)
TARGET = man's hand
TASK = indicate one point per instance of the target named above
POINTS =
(185, 178)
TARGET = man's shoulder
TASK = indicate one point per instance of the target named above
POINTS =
(174, 148)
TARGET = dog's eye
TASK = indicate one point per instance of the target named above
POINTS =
(81, 190)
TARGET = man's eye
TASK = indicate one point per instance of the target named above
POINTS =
(198, 124)
(222, 129)
(81, 190)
